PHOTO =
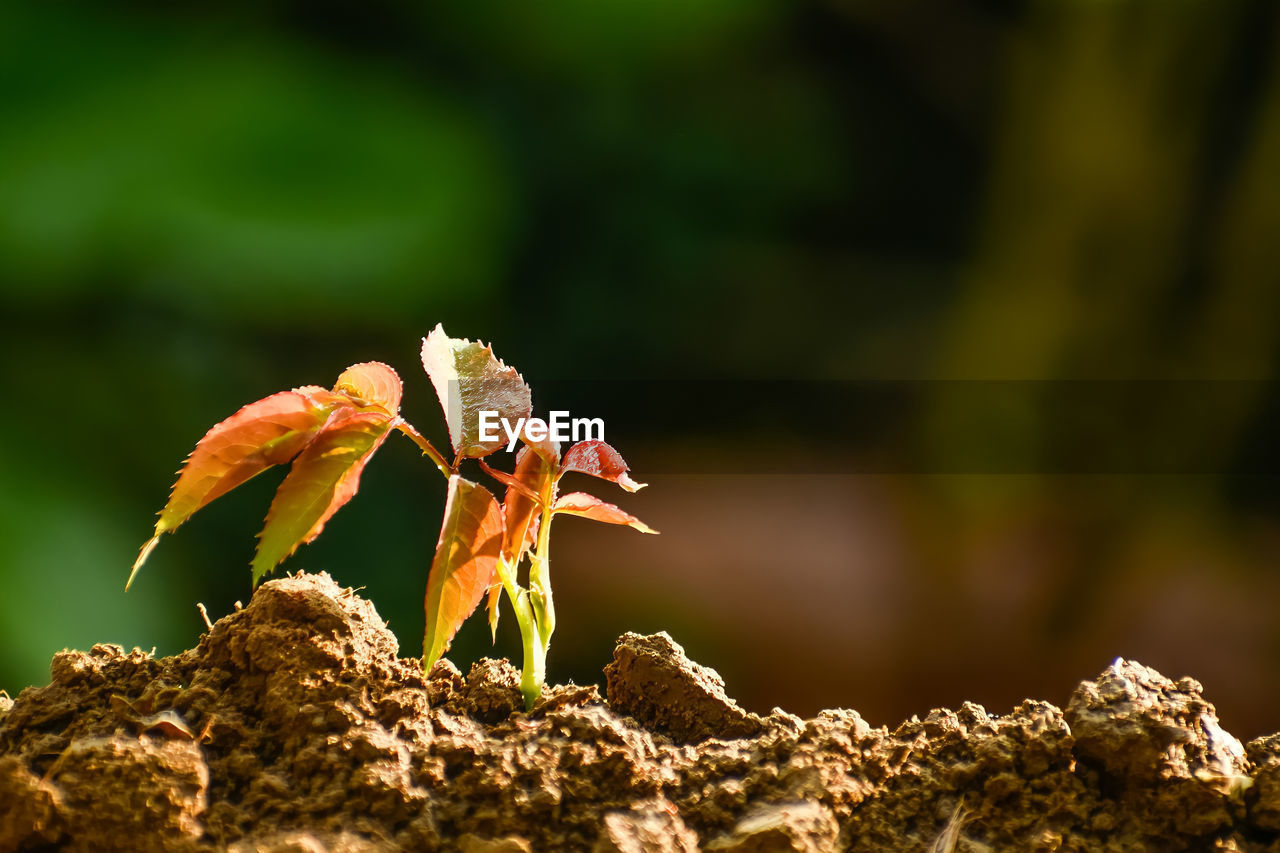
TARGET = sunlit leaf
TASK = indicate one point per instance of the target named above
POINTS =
(599, 460)
(324, 477)
(274, 431)
(465, 563)
(372, 382)
(590, 506)
(469, 379)
(270, 432)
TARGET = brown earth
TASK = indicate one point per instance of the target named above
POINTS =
(293, 726)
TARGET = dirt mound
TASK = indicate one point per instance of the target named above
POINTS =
(294, 726)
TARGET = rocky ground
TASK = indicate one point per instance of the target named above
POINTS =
(294, 726)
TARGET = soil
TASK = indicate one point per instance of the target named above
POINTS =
(294, 727)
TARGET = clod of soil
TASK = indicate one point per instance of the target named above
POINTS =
(651, 679)
(294, 727)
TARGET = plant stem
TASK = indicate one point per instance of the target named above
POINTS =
(534, 672)
(425, 446)
(540, 575)
(535, 652)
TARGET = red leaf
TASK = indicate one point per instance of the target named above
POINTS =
(269, 432)
(374, 383)
(324, 477)
(469, 379)
(465, 563)
(599, 460)
(590, 506)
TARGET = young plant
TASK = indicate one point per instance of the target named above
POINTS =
(328, 437)
(532, 500)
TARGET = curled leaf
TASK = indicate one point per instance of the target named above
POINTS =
(521, 504)
(599, 460)
(590, 506)
(465, 563)
(469, 379)
(324, 477)
(167, 722)
(372, 382)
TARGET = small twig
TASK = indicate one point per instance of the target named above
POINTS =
(204, 614)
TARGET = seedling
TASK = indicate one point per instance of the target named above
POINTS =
(328, 437)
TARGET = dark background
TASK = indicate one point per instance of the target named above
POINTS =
(943, 331)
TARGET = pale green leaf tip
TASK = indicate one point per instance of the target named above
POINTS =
(142, 558)
(259, 570)
(258, 575)
(430, 658)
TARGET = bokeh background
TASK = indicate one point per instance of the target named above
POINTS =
(944, 332)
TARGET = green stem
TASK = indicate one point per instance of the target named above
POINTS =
(535, 653)
(540, 574)
(535, 661)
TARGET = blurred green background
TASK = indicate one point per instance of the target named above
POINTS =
(201, 207)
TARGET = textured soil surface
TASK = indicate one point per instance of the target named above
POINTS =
(294, 726)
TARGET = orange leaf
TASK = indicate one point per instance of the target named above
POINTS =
(515, 488)
(469, 379)
(599, 460)
(519, 509)
(372, 382)
(324, 477)
(590, 506)
(464, 566)
(269, 432)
